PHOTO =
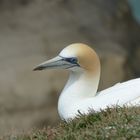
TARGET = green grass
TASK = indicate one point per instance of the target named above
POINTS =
(117, 124)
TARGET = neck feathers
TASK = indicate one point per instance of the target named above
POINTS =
(82, 84)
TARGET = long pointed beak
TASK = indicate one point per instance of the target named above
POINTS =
(57, 62)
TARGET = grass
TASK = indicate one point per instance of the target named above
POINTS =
(116, 123)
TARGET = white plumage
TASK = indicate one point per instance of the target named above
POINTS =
(80, 92)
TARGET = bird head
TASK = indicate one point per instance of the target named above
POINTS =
(74, 57)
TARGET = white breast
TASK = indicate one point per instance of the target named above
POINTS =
(127, 93)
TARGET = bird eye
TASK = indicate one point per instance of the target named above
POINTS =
(72, 60)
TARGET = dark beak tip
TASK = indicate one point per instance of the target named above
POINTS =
(35, 69)
(38, 68)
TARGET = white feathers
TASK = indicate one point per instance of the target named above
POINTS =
(80, 94)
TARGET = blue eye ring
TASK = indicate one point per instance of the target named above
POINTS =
(72, 60)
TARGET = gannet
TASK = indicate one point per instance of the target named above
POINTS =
(80, 92)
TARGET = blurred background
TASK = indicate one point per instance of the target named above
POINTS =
(32, 31)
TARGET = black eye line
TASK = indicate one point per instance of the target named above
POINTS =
(72, 60)
(67, 59)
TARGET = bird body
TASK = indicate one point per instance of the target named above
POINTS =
(80, 92)
(126, 93)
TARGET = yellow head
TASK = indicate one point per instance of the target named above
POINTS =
(73, 57)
